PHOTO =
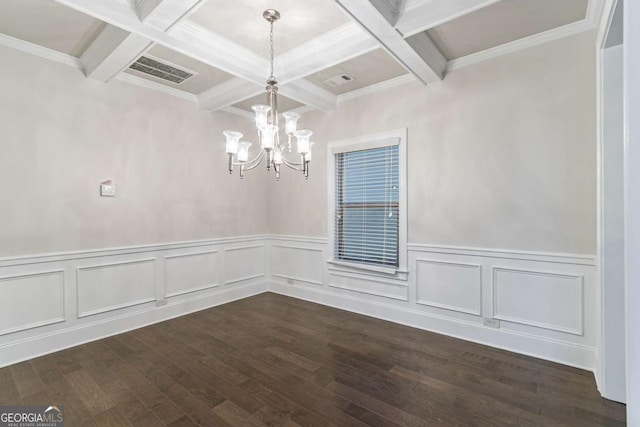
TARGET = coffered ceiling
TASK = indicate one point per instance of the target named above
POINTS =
(326, 50)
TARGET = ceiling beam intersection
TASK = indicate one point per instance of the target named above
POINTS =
(422, 16)
(114, 49)
(426, 64)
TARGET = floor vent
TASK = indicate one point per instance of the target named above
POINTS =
(339, 80)
(160, 70)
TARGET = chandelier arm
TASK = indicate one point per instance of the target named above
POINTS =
(257, 158)
(257, 163)
(292, 165)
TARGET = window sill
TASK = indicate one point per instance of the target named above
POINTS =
(375, 270)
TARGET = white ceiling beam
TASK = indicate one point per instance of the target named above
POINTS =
(228, 93)
(114, 49)
(164, 14)
(427, 14)
(339, 45)
(389, 9)
(309, 94)
(236, 90)
(428, 64)
(201, 42)
(145, 7)
(197, 42)
(186, 38)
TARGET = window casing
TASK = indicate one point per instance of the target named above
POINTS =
(367, 206)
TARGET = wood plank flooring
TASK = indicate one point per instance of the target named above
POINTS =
(278, 361)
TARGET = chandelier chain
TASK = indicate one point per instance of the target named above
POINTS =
(271, 44)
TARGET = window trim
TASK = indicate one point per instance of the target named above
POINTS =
(377, 140)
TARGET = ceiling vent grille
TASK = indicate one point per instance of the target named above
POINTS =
(160, 70)
(339, 80)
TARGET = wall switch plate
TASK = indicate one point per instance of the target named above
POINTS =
(107, 189)
(494, 323)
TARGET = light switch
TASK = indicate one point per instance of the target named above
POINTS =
(107, 189)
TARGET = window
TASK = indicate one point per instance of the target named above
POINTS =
(368, 206)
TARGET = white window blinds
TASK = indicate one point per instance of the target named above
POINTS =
(366, 206)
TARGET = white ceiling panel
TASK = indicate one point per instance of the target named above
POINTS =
(503, 22)
(49, 24)
(241, 21)
(373, 67)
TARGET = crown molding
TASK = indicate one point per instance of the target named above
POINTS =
(606, 21)
(42, 52)
(523, 43)
(595, 9)
(377, 87)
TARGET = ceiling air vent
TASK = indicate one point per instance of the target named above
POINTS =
(339, 80)
(155, 68)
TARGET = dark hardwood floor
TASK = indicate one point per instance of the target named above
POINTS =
(273, 360)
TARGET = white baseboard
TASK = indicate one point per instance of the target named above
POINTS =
(556, 351)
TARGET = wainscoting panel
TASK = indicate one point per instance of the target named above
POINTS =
(244, 263)
(31, 300)
(107, 287)
(449, 285)
(191, 272)
(369, 285)
(545, 300)
(540, 304)
(302, 264)
(52, 302)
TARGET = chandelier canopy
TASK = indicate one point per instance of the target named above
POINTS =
(271, 149)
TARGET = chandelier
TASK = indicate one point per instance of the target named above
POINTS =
(266, 116)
